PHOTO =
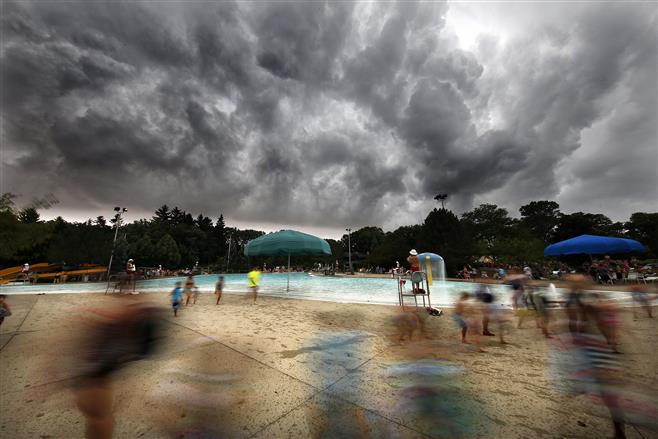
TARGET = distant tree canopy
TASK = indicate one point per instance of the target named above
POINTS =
(540, 218)
(174, 238)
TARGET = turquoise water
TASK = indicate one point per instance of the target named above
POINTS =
(302, 286)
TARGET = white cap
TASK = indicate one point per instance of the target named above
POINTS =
(413, 252)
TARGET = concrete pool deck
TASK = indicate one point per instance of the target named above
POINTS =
(278, 381)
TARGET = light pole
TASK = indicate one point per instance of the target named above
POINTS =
(349, 248)
(119, 211)
(228, 258)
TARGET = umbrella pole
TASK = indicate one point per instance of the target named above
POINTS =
(288, 287)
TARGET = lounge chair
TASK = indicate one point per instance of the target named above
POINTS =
(634, 276)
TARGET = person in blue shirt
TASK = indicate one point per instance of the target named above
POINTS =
(177, 298)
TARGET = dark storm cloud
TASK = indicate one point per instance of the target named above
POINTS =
(301, 41)
(435, 118)
(324, 113)
(551, 98)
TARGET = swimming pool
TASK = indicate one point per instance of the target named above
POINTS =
(302, 286)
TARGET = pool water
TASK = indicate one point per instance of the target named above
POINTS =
(302, 286)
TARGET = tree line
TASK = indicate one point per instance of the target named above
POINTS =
(176, 239)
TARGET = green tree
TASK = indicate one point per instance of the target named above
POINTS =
(580, 223)
(643, 227)
(444, 234)
(520, 247)
(22, 241)
(487, 223)
(364, 240)
(176, 216)
(23, 236)
(204, 223)
(7, 202)
(206, 240)
(220, 238)
(121, 254)
(396, 245)
(541, 218)
(240, 238)
(162, 215)
(167, 252)
(337, 251)
(78, 243)
(28, 215)
(144, 251)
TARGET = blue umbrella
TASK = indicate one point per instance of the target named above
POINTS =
(593, 245)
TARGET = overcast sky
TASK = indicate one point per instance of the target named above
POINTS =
(319, 116)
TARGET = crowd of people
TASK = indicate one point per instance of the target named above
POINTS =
(183, 293)
(587, 324)
(615, 271)
(582, 324)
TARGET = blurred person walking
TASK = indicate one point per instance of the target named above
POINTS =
(484, 295)
(573, 304)
(111, 338)
(254, 282)
(640, 298)
(131, 271)
(503, 319)
(177, 298)
(189, 289)
(517, 283)
(603, 371)
(219, 288)
(5, 309)
(542, 314)
(525, 307)
(26, 271)
(458, 314)
(610, 320)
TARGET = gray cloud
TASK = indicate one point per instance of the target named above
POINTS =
(326, 113)
(553, 96)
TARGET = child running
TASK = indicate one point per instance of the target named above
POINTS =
(177, 298)
(503, 319)
(458, 315)
(189, 289)
(540, 303)
(219, 288)
(254, 281)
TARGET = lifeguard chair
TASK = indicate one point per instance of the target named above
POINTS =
(423, 290)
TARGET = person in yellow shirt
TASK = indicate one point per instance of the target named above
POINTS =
(254, 281)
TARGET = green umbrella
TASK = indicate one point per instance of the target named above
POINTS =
(287, 242)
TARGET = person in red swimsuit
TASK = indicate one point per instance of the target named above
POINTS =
(414, 262)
